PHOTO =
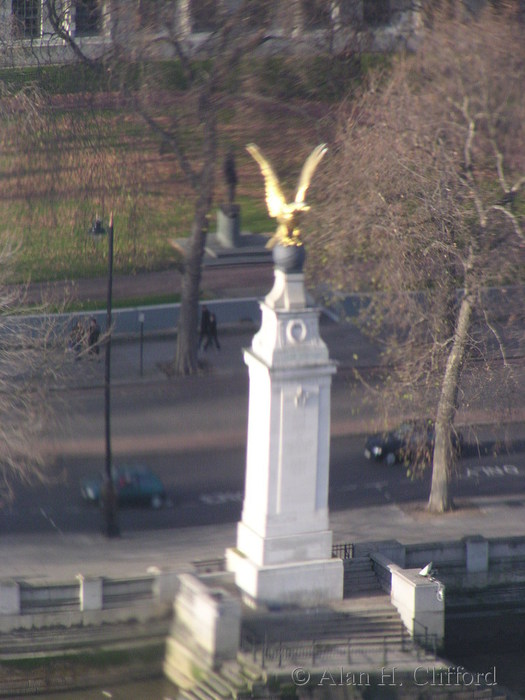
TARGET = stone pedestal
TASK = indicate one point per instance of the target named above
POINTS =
(477, 554)
(91, 592)
(205, 631)
(283, 553)
(9, 598)
(229, 225)
(420, 602)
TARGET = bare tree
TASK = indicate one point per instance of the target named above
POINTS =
(28, 364)
(425, 207)
(29, 355)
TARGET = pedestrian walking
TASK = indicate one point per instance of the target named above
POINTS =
(205, 324)
(93, 337)
(212, 333)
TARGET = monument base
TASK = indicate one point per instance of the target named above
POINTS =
(229, 225)
(285, 549)
(307, 583)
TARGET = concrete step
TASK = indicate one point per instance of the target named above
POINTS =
(357, 562)
(187, 695)
(323, 629)
(359, 577)
(216, 685)
(357, 587)
(230, 674)
(250, 671)
(203, 692)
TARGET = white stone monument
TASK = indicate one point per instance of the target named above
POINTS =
(284, 544)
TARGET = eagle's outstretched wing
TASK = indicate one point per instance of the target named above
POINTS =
(275, 200)
(309, 167)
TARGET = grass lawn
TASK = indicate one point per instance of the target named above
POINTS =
(85, 161)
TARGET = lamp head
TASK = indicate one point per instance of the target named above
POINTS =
(97, 229)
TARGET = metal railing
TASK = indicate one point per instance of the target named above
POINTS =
(48, 598)
(343, 551)
(209, 566)
(423, 640)
(281, 653)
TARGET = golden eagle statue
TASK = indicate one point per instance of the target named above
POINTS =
(287, 214)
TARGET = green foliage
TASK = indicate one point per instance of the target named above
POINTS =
(130, 302)
(56, 80)
(65, 250)
(96, 659)
(254, 217)
(68, 79)
(325, 77)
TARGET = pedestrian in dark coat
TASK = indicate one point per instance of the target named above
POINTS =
(212, 333)
(205, 324)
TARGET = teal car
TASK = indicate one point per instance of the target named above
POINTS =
(134, 485)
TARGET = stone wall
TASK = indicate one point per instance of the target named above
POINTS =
(373, 25)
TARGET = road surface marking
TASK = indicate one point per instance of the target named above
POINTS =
(492, 471)
(220, 498)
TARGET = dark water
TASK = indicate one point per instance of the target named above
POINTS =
(510, 668)
(493, 641)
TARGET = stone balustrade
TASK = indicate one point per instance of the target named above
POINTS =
(87, 600)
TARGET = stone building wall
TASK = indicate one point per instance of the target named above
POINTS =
(27, 35)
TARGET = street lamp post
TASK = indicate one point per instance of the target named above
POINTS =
(108, 495)
(141, 322)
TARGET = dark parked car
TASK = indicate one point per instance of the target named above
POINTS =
(412, 441)
(134, 485)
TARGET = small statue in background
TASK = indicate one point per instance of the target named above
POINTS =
(230, 174)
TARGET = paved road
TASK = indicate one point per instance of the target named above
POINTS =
(206, 483)
(193, 433)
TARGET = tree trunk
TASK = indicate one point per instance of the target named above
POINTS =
(186, 354)
(440, 500)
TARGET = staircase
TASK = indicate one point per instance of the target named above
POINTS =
(233, 680)
(359, 577)
(361, 634)
(366, 629)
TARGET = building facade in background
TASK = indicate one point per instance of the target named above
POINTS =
(37, 31)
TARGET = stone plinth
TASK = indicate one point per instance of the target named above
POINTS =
(91, 592)
(420, 602)
(9, 597)
(477, 555)
(284, 543)
(229, 225)
(205, 631)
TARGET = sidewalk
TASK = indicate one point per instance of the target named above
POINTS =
(228, 280)
(59, 557)
(348, 348)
